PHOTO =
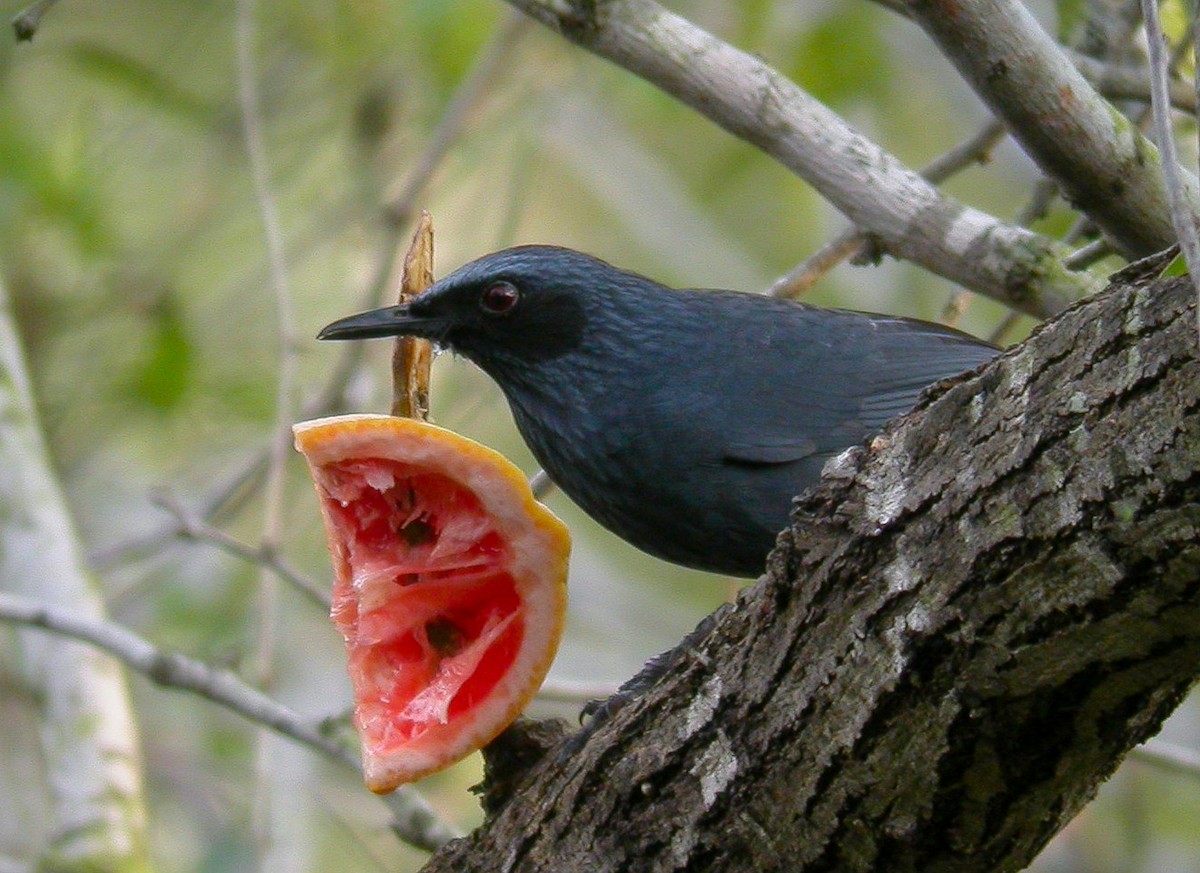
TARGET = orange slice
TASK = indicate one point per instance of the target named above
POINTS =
(450, 587)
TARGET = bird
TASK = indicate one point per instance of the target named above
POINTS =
(685, 421)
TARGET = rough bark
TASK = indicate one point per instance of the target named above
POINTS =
(969, 624)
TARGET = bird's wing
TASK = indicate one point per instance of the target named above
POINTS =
(811, 399)
(910, 356)
(759, 451)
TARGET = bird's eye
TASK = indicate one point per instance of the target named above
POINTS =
(499, 298)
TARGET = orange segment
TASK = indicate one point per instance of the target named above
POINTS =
(449, 590)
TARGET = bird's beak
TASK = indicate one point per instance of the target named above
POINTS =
(388, 321)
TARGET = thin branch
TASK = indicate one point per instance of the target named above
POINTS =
(541, 484)
(1123, 82)
(852, 243)
(1168, 756)
(26, 22)
(799, 280)
(955, 306)
(1043, 194)
(263, 654)
(421, 827)
(1085, 256)
(910, 218)
(228, 492)
(192, 527)
(1183, 216)
(574, 692)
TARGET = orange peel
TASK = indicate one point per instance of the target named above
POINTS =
(450, 587)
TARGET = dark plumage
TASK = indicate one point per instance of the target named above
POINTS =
(684, 421)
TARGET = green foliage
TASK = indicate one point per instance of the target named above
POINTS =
(843, 57)
(165, 370)
(1072, 18)
(135, 80)
(1177, 267)
(46, 182)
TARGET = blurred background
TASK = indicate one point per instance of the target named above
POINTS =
(133, 251)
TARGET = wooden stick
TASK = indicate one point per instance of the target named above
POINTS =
(412, 356)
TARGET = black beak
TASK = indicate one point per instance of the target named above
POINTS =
(389, 321)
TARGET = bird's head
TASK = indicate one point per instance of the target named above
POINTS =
(511, 309)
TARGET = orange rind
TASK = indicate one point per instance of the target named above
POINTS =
(449, 590)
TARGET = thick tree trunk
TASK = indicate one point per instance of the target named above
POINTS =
(969, 624)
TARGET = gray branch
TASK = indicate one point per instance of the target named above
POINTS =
(1103, 165)
(414, 821)
(1125, 82)
(906, 215)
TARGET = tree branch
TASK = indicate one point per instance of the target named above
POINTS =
(26, 22)
(414, 821)
(909, 217)
(1126, 82)
(970, 623)
(1183, 216)
(1104, 166)
(192, 527)
(853, 242)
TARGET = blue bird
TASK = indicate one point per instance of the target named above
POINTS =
(685, 421)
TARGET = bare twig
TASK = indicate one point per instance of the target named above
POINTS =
(1085, 256)
(976, 149)
(954, 308)
(1118, 82)
(853, 242)
(1183, 216)
(1044, 192)
(26, 22)
(173, 670)
(799, 280)
(192, 527)
(1169, 756)
(540, 484)
(412, 357)
(230, 491)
